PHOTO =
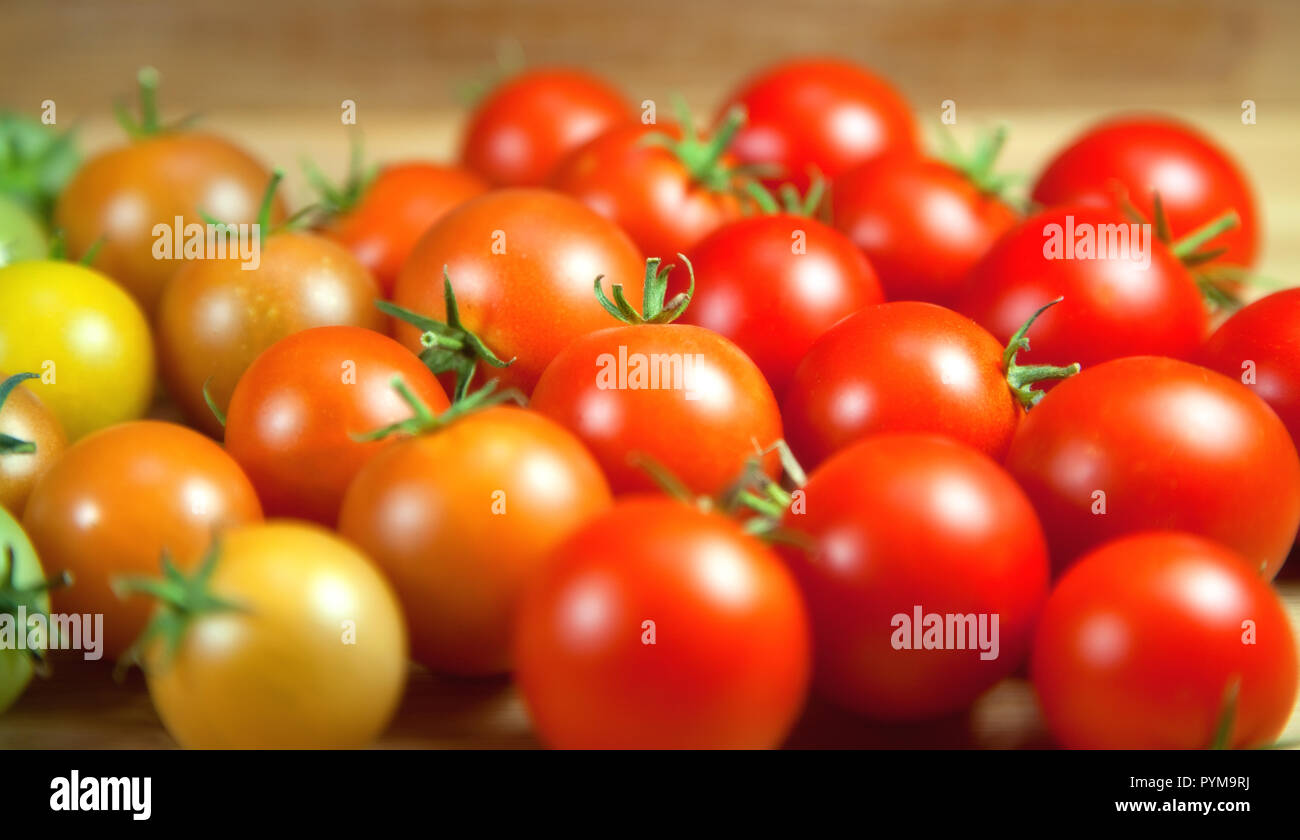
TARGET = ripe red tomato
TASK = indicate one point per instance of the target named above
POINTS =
(121, 496)
(922, 223)
(904, 527)
(659, 626)
(1132, 157)
(296, 412)
(683, 396)
(522, 129)
(822, 113)
(1260, 347)
(522, 263)
(462, 519)
(904, 367)
(774, 284)
(1144, 643)
(666, 198)
(394, 211)
(1152, 443)
(1116, 304)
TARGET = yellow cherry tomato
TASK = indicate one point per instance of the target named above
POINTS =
(86, 338)
(309, 650)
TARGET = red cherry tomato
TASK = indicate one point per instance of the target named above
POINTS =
(658, 626)
(1260, 347)
(396, 209)
(902, 367)
(1142, 642)
(522, 129)
(922, 223)
(296, 410)
(905, 527)
(822, 113)
(648, 190)
(1130, 157)
(1152, 443)
(1116, 304)
(522, 263)
(773, 284)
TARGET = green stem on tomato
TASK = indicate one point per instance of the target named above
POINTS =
(1021, 378)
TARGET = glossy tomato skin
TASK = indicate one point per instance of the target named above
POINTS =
(1140, 641)
(726, 661)
(86, 337)
(398, 206)
(120, 497)
(284, 672)
(1259, 346)
(463, 519)
(522, 263)
(1113, 307)
(16, 667)
(824, 113)
(1171, 446)
(900, 521)
(524, 127)
(25, 417)
(774, 284)
(645, 189)
(921, 223)
(215, 318)
(1130, 157)
(701, 417)
(120, 195)
(900, 367)
(295, 412)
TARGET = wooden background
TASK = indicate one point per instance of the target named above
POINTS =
(272, 75)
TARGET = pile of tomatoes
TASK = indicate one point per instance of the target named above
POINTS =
(676, 424)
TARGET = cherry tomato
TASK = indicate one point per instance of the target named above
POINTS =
(31, 439)
(1152, 443)
(1151, 638)
(311, 654)
(21, 586)
(922, 223)
(1131, 157)
(822, 113)
(522, 263)
(395, 210)
(774, 284)
(682, 396)
(904, 367)
(658, 626)
(296, 412)
(120, 497)
(216, 317)
(667, 197)
(1116, 303)
(119, 197)
(1260, 347)
(86, 337)
(461, 520)
(905, 527)
(522, 129)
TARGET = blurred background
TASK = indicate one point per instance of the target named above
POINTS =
(273, 74)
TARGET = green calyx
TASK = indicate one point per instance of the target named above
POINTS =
(14, 598)
(979, 166)
(337, 199)
(449, 346)
(510, 61)
(790, 202)
(10, 445)
(1021, 378)
(181, 599)
(1215, 282)
(702, 156)
(148, 125)
(423, 420)
(36, 162)
(654, 310)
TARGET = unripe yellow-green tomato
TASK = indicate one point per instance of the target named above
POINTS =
(85, 337)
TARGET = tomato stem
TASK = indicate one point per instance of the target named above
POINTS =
(1021, 378)
(10, 445)
(702, 158)
(654, 310)
(423, 420)
(337, 199)
(979, 166)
